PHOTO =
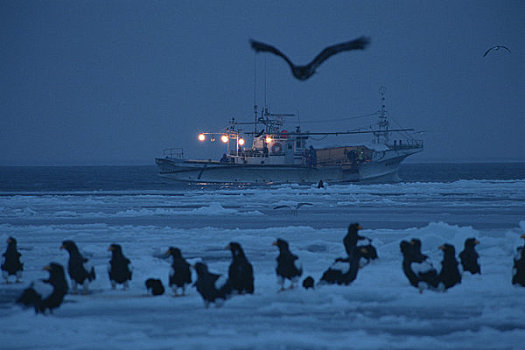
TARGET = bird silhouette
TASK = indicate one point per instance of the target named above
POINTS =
(306, 71)
(495, 48)
(293, 209)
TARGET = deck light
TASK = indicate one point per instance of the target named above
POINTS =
(202, 137)
(241, 142)
(268, 139)
(224, 138)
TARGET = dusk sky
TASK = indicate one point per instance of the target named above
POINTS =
(116, 82)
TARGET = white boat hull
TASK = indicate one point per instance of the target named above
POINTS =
(383, 168)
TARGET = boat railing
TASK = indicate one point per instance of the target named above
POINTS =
(407, 144)
(174, 153)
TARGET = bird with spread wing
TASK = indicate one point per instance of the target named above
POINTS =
(306, 71)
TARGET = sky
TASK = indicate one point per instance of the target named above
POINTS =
(117, 82)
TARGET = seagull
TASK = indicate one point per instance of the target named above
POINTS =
(293, 209)
(495, 48)
(305, 72)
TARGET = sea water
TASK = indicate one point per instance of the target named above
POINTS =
(133, 206)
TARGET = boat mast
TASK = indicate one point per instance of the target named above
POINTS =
(381, 136)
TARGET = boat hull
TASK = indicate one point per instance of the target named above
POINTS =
(383, 168)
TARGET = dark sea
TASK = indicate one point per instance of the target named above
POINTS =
(146, 178)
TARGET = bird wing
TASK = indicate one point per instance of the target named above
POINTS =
(281, 206)
(262, 47)
(495, 48)
(302, 204)
(422, 267)
(357, 44)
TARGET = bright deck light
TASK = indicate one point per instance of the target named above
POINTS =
(241, 142)
(268, 139)
(224, 138)
(202, 137)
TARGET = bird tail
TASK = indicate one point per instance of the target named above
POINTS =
(92, 274)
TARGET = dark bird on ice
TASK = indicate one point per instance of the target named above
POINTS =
(180, 274)
(496, 48)
(306, 71)
(469, 256)
(351, 239)
(518, 269)
(288, 266)
(76, 268)
(209, 285)
(308, 283)
(155, 286)
(293, 209)
(119, 269)
(11, 264)
(49, 295)
(417, 267)
(449, 275)
(344, 270)
(240, 272)
(352, 236)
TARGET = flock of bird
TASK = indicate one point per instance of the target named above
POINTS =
(303, 72)
(215, 288)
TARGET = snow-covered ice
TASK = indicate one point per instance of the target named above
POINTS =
(378, 310)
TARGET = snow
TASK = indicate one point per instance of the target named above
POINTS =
(378, 310)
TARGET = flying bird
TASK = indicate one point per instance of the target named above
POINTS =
(306, 71)
(49, 294)
(180, 274)
(294, 208)
(496, 48)
(11, 264)
(78, 272)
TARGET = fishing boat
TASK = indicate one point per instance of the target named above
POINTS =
(280, 156)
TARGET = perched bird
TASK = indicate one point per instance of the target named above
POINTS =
(42, 298)
(240, 273)
(518, 269)
(180, 274)
(11, 264)
(496, 48)
(119, 270)
(306, 71)
(209, 286)
(449, 275)
(344, 270)
(351, 238)
(308, 283)
(293, 209)
(288, 266)
(416, 266)
(469, 256)
(155, 286)
(76, 268)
